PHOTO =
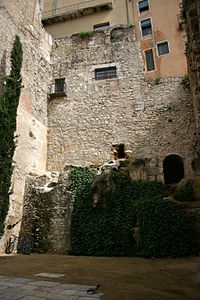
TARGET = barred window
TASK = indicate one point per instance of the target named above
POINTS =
(105, 73)
(59, 85)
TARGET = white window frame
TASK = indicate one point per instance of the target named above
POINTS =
(139, 13)
(146, 36)
(153, 52)
(161, 42)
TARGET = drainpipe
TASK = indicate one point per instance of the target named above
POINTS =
(56, 6)
(127, 14)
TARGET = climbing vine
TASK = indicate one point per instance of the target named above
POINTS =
(162, 226)
(8, 110)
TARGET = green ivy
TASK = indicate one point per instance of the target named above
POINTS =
(84, 34)
(183, 11)
(8, 110)
(186, 193)
(163, 226)
(165, 230)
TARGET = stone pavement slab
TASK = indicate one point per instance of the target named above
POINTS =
(50, 275)
(17, 288)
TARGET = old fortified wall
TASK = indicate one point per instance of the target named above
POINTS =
(24, 18)
(192, 17)
(99, 108)
(191, 11)
(86, 126)
(91, 120)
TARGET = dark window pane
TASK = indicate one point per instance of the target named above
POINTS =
(143, 5)
(100, 27)
(59, 85)
(146, 27)
(105, 73)
(149, 60)
(163, 48)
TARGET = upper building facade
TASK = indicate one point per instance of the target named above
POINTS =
(160, 32)
(157, 24)
(66, 17)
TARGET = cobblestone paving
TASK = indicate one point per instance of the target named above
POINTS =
(16, 288)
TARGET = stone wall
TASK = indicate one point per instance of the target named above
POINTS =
(152, 119)
(47, 211)
(192, 18)
(193, 55)
(19, 17)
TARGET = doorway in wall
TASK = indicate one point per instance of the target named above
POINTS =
(173, 168)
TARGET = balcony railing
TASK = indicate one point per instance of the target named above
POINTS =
(57, 89)
(75, 10)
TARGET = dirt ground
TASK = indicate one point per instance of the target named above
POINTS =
(122, 278)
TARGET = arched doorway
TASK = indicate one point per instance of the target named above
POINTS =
(173, 168)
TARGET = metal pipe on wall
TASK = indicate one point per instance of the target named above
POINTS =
(127, 13)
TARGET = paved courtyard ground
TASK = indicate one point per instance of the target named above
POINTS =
(15, 288)
(121, 278)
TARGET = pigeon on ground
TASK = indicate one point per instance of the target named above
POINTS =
(93, 289)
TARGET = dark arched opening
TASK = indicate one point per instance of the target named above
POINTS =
(173, 169)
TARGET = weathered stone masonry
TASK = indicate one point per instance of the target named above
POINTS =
(151, 120)
(31, 147)
(192, 20)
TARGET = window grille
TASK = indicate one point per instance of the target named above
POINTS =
(149, 60)
(59, 85)
(163, 48)
(105, 73)
(57, 89)
(146, 27)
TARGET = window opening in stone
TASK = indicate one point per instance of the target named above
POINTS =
(193, 164)
(105, 73)
(149, 60)
(163, 48)
(173, 168)
(101, 27)
(143, 6)
(146, 27)
(59, 85)
(119, 151)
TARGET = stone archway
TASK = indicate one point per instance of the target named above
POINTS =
(173, 168)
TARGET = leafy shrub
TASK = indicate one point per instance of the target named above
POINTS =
(183, 11)
(84, 34)
(157, 80)
(186, 193)
(186, 82)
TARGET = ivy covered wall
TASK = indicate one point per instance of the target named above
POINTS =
(132, 219)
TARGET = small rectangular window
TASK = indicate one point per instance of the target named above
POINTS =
(101, 27)
(149, 60)
(143, 5)
(59, 85)
(105, 73)
(163, 48)
(146, 27)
